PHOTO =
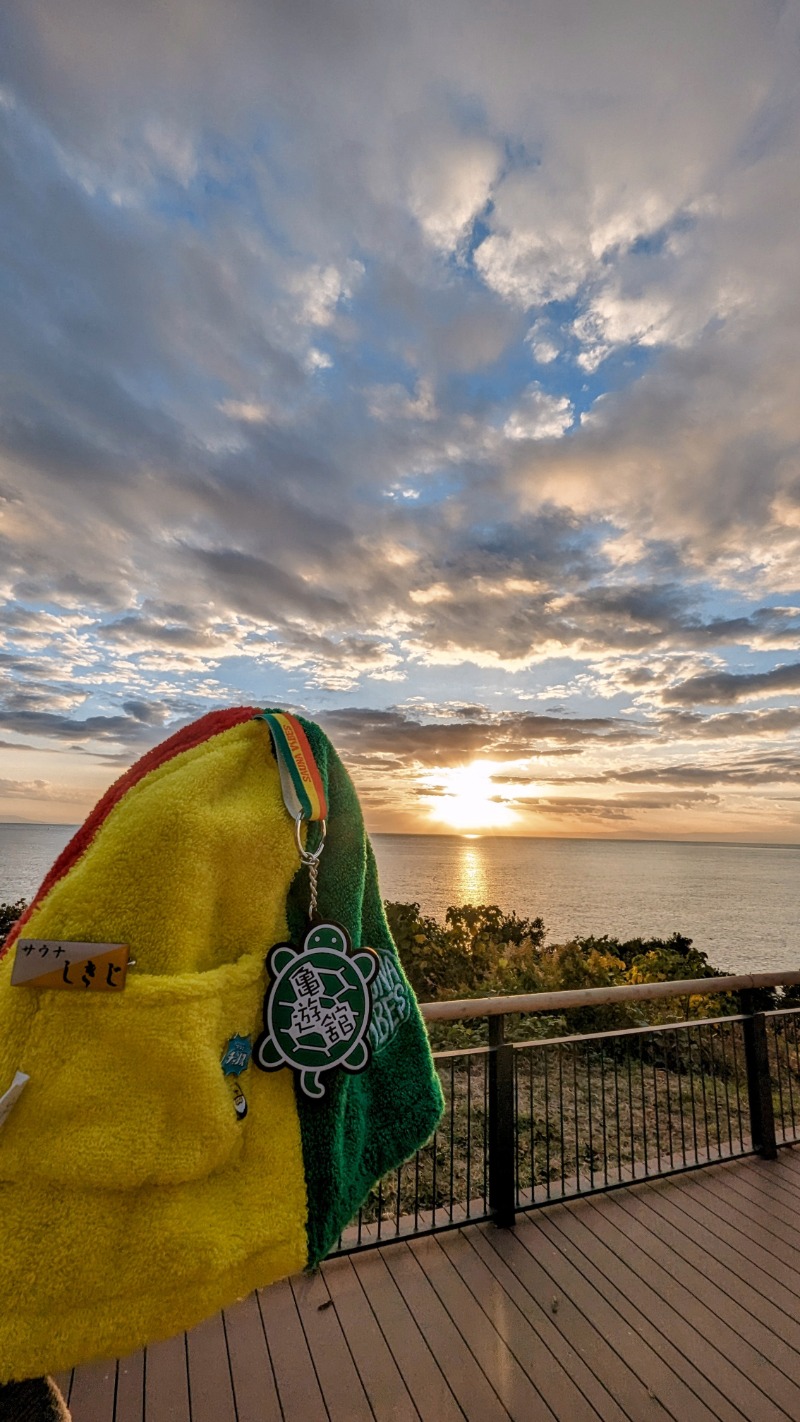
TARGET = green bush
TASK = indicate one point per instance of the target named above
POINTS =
(9, 913)
(481, 951)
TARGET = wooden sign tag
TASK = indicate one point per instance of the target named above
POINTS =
(84, 967)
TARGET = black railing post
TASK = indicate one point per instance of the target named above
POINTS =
(759, 1084)
(502, 1182)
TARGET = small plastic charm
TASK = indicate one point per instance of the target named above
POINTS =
(239, 1100)
(237, 1056)
(318, 1006)
(10, 1097)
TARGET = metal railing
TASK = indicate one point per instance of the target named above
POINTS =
(552, 1118)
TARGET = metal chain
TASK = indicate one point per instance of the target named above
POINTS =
(313, 874)
(311, 859)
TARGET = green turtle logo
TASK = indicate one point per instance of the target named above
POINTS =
(317, 1008)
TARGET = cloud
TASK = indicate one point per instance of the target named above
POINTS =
(539, 416)
(450, 185)
(687, 725)
(623, 808)
(369, 737)
(749, 771)
(29, 790)
(128, 729)
(721, 687)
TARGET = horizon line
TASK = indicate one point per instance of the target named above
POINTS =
(480, 835)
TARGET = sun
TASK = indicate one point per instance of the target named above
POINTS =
(466, 798)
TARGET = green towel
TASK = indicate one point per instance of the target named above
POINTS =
(366, 1125)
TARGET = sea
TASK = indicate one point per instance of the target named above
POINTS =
(739, 903)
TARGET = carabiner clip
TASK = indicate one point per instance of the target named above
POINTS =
(309, 856)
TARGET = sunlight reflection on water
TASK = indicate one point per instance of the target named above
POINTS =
(472, 875)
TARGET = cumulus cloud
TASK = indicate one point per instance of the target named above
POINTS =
(539, 416)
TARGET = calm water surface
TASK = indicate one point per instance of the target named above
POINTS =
(740, 903)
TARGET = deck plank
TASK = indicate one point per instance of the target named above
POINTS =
(512, 1383)
(210, 1386)
(63, 1382)
(295, 1376)
(130, 1388)
(743, 1338)
(475, 1395)
(755, 1245)
(338, 1377)
(683, 1212)
(772, 1193)
(736, 1202)
(570, 1383)
(93, 1391)
(614, 1351)
(166, 1383)
(413, 1350)
(250, 1364)
(552, 1380)
(616, 1276)
(380, 1376)
(745, 1371)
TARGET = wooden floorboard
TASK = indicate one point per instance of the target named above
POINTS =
(414, 1352)
(210, 1383)
(743, 1372)
(251, 1364)
(567, 1380)
(130, 1388)
(612, 1349)
(733, 1327)
(383, 1383)
(668, 1301)
(486, 1343)
(468, 1383)
(680, 1366)
(338, 1376)
(532, 1345)
(166, 1383)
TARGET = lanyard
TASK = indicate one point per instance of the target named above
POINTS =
(301, 785)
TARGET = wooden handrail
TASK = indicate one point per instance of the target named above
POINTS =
(461, 1008)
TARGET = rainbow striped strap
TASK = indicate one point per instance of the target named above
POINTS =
(301, 783)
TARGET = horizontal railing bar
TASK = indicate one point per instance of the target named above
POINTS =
(626, 1032)
(781, 1011)
(665, 1174)
(459, 1009)
(464, 1052)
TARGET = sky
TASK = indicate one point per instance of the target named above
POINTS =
(426, 367)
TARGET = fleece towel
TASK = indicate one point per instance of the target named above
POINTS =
(134, 1199)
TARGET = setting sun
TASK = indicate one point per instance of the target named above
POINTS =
(466, 798)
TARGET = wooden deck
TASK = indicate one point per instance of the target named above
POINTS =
(677, 1299)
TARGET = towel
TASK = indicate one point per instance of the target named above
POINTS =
(135, 1198)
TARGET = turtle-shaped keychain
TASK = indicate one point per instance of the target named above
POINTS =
(318, 1006)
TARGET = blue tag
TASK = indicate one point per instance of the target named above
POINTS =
(237, 1056)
